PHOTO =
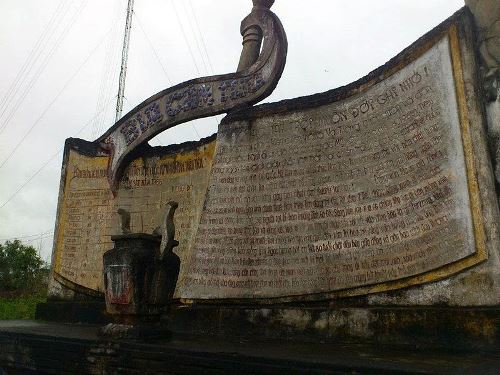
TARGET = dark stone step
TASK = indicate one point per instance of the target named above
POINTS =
(76, 349)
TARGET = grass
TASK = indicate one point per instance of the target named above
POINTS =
(19, 307)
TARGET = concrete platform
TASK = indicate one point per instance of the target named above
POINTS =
(52, 348)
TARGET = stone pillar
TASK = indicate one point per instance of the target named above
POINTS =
(487, 16)
(252, 35)
(252, 39)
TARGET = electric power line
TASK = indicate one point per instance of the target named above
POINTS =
(200, 34)
(190, 49)
(45, 164)
(185, 37)
(53, 101)
(87, 124)
(195, 37)
(152, 48)
(107, 75)
(42, 67)
(110, 118)
(159, 61)
(31, 59)
(26, 236)
(143, 30)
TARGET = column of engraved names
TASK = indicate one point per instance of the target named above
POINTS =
(333, 200)
(86, 235)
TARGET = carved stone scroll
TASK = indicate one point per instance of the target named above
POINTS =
(371, 187)
(206, 96)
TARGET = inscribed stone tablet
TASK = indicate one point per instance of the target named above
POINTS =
(87, 211)
(370, 189)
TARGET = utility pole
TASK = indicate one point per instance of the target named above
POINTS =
(123, 70)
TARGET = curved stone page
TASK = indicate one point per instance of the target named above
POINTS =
(87, 211)
(363, 191)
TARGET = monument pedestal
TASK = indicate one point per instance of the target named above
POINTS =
(441, 327)
(137, 331)
(89, 312)
(424, 327)
(41, 348)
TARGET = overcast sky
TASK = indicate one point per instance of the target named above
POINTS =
(61, 60)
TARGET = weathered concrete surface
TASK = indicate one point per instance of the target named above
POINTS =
(430, 327)
(487, 17)
(30, 347)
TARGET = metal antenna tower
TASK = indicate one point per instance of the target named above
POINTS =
(123, 71)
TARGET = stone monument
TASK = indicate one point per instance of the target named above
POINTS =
(368, 213)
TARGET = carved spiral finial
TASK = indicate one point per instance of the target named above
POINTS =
(263, 3)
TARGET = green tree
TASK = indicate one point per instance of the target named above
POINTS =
(20, 267)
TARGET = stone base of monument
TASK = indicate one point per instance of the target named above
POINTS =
(29, 347)
(472, 328)
(142, 331)
(90, 312)
(426, 327)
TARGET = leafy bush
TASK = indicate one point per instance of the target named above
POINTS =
(23, 280)
(21, 269)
